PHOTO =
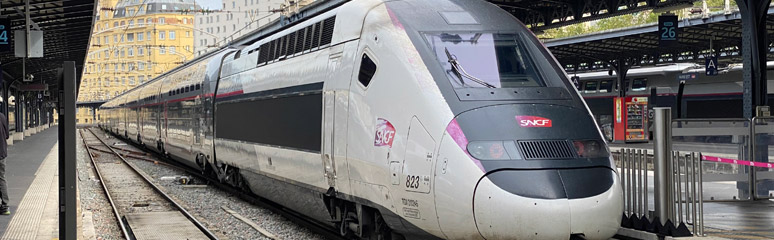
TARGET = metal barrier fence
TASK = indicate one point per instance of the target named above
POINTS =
(684, 193)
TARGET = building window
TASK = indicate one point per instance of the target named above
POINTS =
(131, 23)
(141, 66)
(123, 52)
(131, 67)
(123, 67)
(123, 80)
(140, 22)
(123, 23)
(162, 50)
(131, 51)
(162, 35)
(106, 39)
(115, 38)
(123, 38)
(187, 33)
(162, 20)
(171, 49)
(141, 79)
(185, 21)
(140, 37)
(130, 37)
(172, 35)
(115, 24)
(140, 51)
(163, 7)
(149, 35)
(149, 21)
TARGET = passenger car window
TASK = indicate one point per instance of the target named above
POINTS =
(640, 84)
(605, 86)
(591, 87)
(367, 70)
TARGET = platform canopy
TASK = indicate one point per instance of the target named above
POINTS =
(545, 14)
(66, 26)
(641, 43)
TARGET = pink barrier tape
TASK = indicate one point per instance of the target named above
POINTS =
(737, 162)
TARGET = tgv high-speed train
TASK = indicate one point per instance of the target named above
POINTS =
(391, 119)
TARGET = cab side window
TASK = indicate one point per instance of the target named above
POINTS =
(367, 70)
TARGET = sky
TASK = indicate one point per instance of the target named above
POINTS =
(210, 4)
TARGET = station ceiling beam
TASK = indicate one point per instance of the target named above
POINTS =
(67, 25)
(641, 43)
(545, 14)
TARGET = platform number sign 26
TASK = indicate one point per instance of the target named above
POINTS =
(5, 28)
(667, 30)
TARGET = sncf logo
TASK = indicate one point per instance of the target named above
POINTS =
(533, 121)
(385, 133)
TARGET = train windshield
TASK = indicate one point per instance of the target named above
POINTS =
(485, 60)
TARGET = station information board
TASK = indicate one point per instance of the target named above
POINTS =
(5, 28)
(711, 66)
(667, 30)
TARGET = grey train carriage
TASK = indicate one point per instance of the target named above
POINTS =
(390, 120)
(704, 96)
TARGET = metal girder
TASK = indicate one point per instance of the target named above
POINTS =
(545, 14)
(67, 26)
(634, 43)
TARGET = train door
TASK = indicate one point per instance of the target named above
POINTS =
(329, 124)
(335, 116)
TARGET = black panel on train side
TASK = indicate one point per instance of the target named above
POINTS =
(288, 121)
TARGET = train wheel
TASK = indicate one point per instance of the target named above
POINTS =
(381, 230)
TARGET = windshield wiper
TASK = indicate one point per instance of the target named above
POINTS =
(461, 72)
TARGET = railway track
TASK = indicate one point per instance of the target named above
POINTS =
(293, 216)
(141, 208)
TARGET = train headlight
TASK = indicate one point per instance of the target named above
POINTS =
(488, 150)
(590, 149)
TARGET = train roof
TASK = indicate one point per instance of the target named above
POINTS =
(644, 71)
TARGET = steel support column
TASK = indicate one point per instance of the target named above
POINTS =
(755, 47)
(621, 68)
(67, 163)
(754, 50)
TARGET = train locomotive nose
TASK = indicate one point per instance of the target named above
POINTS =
(548, 204)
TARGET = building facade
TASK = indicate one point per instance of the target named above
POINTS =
(134, 41)
(237, 18)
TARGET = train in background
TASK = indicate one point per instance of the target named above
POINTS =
(704, 96)
(388, 120)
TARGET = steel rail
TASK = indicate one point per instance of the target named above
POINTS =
(182, 210)
(298, 218)
(105, 188)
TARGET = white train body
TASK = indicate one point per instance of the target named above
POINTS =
(355, 117)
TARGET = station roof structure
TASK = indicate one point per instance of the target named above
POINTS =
(641, 43)
(545, 14)
(66, 26)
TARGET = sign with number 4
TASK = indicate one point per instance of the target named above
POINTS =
(5, 27)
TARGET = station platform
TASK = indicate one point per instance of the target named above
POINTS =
(724, 216)
(32, 176)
